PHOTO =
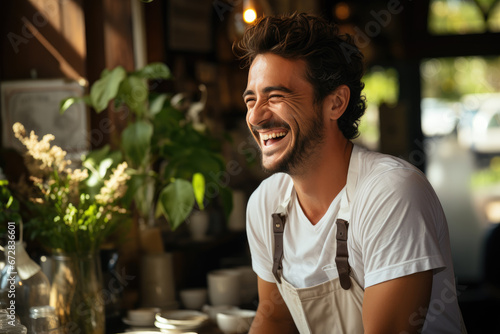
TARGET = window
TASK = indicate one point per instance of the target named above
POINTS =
(460, 122)
(381, 87)
(447, 17)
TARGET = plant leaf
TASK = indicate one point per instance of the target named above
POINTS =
(176, 201)
(157, 104)
(9, 202)
(184, 162)
(199, 189)
(136, 142)
(106, 88)
(68, 102)
(144, 193)
(96, 155)
(104, 166)
(134, 93)
(154, 71)
(99, 162)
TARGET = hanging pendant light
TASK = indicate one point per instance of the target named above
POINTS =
(249, 12)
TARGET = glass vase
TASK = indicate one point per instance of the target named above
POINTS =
(76, 293)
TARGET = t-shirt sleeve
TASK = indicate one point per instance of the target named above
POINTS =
(398, 218)
(259, 238)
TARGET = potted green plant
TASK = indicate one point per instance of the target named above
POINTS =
(171, 160)
(72, 221)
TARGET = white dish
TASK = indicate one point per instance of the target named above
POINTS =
(176, 331)
(182, 318)
(142, 330)
(167, 327)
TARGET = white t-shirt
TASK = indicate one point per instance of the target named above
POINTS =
(397, 228)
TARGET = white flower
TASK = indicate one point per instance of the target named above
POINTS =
(115, 187)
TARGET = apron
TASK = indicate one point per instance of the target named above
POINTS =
(334, 306)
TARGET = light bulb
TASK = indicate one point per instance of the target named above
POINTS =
(249, 15)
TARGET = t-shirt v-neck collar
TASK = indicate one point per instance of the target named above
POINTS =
(330, 214)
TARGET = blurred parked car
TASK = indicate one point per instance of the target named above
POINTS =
(439, 117)
(479, 126)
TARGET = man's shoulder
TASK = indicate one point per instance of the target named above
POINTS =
(271, 192)
(383, 176)
(377, 161)
(379, 166)
(387, 178)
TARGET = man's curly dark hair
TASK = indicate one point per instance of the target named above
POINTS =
(332, 59)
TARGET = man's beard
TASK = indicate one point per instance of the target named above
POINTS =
(302, 153)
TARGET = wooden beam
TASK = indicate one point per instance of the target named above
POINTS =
(486, 44)
(108, 27)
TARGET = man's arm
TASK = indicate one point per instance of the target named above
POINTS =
(398, 305)
(272, 313)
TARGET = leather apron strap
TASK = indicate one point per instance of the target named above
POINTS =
(341, 258)
(278, 229)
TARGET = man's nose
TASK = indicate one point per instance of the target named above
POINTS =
(260, 113)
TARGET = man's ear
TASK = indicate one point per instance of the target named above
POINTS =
(337, 101)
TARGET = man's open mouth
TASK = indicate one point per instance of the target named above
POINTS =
(273, 137)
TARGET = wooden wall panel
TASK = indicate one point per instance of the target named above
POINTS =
(36, 39)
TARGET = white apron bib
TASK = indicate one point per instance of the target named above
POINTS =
(336, 305)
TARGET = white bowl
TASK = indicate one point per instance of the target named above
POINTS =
(144, 316)
(235, 321)
(194, 299)
(213, 310)
(185, 318)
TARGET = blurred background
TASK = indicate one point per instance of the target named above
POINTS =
(432, 86)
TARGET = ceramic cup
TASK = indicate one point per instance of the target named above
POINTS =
(198, 224)
(143, 316)
(224, 287)
(235, 321)
(193, 299)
